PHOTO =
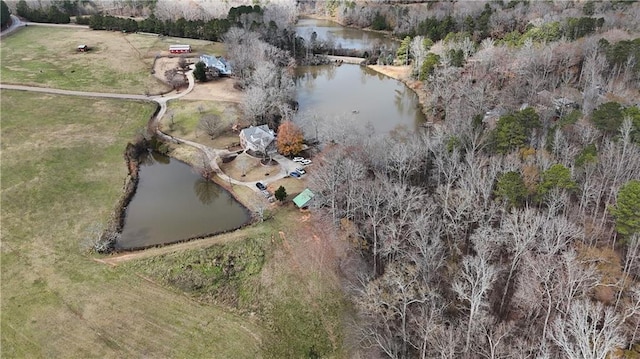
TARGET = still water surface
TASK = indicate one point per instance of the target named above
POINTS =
(357, 94)
(351, 92)
(344, 37)
(173, 203)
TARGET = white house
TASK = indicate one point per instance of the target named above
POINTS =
(257, 138)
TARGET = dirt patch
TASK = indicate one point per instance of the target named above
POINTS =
(397, 72)
(218, 90)
(250, 166)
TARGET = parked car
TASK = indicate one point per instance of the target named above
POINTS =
(265, 193)
(305, 162)
(261, 186)
(295, 174)
(298, 159)
(300, 171)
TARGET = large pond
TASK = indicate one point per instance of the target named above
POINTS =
(172, 203)
(352, 92)
(344, 37)
(359, 94)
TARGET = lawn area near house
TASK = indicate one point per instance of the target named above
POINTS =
(117, 62)
(62, 173)
(183, 117)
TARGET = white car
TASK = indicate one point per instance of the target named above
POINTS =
(301, 171)
(298, 159)
(305, 162)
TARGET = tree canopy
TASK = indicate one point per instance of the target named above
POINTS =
(511, 188)
(290, 138)
(280, 194)
(5, 14)
(627, 208)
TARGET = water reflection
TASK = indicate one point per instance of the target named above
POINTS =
(358, 95)
(173, 203)
(342, 37)
(206, 191)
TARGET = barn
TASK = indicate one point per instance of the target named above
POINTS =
(179, 49)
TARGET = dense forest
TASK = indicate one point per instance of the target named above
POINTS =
(508, 227)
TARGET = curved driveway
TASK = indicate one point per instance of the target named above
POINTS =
(212, 154)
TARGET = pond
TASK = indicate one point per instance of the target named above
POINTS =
(359, 94)
(173, 203)
(341, 36)
(351, 92)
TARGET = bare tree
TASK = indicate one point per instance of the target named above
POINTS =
(521, 228)
(212, 124)
(475, 278)
(588, 331)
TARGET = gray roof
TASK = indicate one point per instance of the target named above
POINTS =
(260, 136)
(218, 63)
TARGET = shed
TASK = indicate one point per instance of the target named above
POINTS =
(303, 198)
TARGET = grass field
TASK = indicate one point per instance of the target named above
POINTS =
(62, 173)
(120, 63)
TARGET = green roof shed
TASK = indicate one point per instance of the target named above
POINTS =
(303, 198)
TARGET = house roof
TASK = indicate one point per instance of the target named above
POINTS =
(260, 136)
(218, 63)
(303, 198)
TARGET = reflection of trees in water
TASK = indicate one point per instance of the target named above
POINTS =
(148, 158)
(206, 191)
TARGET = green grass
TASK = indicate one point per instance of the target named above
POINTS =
(262, 280)
(121, 63)
(62, 172)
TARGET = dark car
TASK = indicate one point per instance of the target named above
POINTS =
(261, 186)
(294, 174)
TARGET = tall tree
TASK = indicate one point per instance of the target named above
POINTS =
(627, 208)
(5, 14)
(200, 72)
(290, 139)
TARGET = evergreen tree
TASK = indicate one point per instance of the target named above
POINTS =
(627, 209)
(200, 72)
(281, 194)
(5, 14)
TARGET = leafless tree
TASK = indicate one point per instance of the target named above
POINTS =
(588, 331)
(213, 125)
(475, 278)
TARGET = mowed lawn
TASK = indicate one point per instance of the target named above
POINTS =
(118, 62)
(62, 172)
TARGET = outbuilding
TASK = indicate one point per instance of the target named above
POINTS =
(302, 200)
(179, 49)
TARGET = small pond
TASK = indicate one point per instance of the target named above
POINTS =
(173, 203)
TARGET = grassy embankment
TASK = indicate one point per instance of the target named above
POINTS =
(120, 63)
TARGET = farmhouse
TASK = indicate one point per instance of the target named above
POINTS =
(179, 49)
(219, 64)
(258, 139)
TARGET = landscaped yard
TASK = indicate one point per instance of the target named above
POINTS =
(117, 62)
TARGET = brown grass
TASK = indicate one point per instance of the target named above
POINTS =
(255, 170)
